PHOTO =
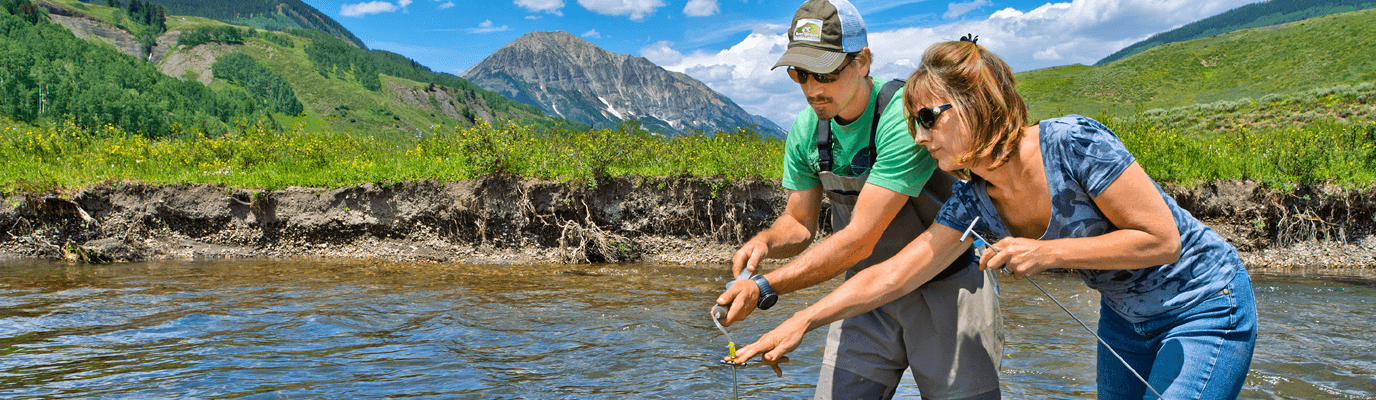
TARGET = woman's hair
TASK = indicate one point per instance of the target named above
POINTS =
(981, 87)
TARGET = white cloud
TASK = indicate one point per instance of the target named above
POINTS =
(741, 73)
(361, 9)
(549, 6)
(486, 27)
(701, 8)
(592, 33)
(1080, 31)
(1048, 54)
(403, 3)
(446, 5)
(635, 9)
(532, 17)
(661, 54)
(955, 10)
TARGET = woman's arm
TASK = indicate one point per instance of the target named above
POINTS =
(917, 263)
(1146, 235)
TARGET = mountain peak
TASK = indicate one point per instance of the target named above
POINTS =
(567, 76)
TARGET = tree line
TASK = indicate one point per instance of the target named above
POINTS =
(333, 58)
(240, 11)
(48, 74)
(265, 85)
(208, 34)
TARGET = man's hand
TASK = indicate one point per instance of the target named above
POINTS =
(775, 344)
(749, 256)
(772, 364)
(740, 300)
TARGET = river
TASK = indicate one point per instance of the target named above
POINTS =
(354, 329)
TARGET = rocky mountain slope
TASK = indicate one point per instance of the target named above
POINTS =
(567, 76)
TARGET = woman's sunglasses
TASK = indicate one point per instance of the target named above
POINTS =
(801, 76)
(926, 117)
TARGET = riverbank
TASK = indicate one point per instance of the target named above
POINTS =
(507, 220)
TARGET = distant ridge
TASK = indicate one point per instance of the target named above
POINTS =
(1315, 53)
(1255, 15)
(567, 76)
(273, 15)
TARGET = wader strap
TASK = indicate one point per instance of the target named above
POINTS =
(824, 160)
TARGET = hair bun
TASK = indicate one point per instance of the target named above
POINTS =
(970, 37)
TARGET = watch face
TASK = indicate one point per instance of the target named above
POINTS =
(768, 301)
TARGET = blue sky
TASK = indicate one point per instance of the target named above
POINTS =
(730, 44)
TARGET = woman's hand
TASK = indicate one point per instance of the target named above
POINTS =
(1020, 257)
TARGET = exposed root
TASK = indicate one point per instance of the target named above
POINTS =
(1304, 226)
(586, 242)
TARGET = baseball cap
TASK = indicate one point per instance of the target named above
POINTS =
(821, 34)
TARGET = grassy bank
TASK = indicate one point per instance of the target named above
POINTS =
(278, 153)
(274, 154)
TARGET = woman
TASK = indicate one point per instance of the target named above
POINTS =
(1176, 301)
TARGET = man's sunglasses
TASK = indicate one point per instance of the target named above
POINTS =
(801, 76)
(926, 117)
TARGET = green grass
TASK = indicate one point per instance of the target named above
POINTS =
(1315, 53)
(1318, 152)
(305, 151)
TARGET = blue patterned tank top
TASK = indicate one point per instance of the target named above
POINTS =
(1082, 157)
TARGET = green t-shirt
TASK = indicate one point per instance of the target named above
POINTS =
(902, 166)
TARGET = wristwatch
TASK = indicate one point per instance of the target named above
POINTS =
(767, 295)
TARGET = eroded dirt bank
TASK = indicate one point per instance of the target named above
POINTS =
(508, 220)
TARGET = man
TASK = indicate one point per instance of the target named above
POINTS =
(949, 331)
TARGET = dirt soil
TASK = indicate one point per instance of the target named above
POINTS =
(503, 220)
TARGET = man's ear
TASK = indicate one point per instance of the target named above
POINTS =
(864, 58)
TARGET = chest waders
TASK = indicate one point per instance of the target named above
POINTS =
(843, 191)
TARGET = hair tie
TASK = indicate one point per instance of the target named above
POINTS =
(970, 37)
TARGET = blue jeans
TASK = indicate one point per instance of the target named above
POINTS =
(1202, 353)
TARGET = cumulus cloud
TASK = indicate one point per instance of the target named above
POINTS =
(486, 27)
(701, 8)
(549, 6)
(741, 72)
(661, 54)
(361, 9)
(955, 10)
(403, 3)
(635, 9)
(1082, 31)
(446, 5)
(592, 34)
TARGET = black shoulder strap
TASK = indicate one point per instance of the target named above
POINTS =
(886, 93)
(824, 145)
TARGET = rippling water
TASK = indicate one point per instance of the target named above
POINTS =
(374, 329)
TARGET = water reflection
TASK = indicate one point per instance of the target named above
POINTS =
(373, 329)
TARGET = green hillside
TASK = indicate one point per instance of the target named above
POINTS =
(1254, 15)
(1314, 53)
(245, 74)
(273, 15)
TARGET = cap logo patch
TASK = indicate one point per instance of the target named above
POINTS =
(808, 30)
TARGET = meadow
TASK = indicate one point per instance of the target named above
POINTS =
(272, 153)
